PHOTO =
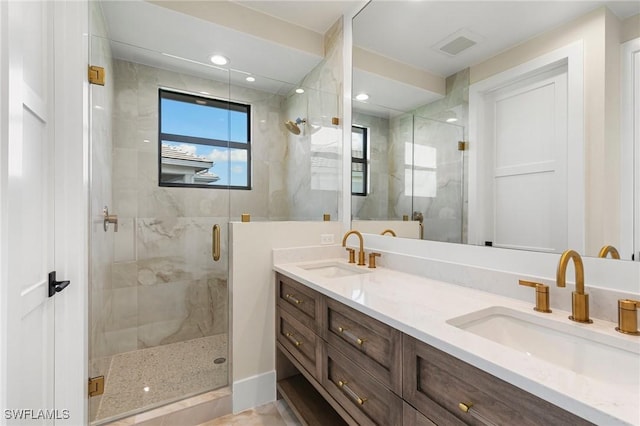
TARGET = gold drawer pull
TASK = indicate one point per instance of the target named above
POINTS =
(293, 339)
(293, 298)
(351, 336)
(468, 408)
(352, 394)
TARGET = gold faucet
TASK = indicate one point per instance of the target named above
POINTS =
(388, 231)
(361, 252)
(604, 251)
(579, 300)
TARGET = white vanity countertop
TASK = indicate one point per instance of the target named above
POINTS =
(420, 307)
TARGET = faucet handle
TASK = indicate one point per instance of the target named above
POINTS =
(628, 316)
(542, 295)
(352, 255)
(372, 259)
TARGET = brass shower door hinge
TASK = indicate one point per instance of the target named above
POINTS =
(96, 386)
(96, 75)
(463, 145)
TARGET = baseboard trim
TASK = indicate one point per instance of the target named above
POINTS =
(254, 391)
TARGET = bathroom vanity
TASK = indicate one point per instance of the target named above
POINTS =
(381, 347)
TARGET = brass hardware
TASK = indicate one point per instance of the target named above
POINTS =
(421, 225)
(109, 218)
(389, 231)
(579, 300)
(326, 217)
(469, 409)
(542, 295)
(352, 255)
(215, 242)
(628, 316)
(372, 259)
(293, 339)
(293, 298)
(96, 75)
(246, 217)
(335, 121)
(96, 386)
(361, 252)
(463, 145)
(351, 336)
(465, 407)
(604, 251)
(405, 217)
(343, 385)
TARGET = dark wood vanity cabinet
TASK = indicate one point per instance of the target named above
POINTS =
(436, 383)
(337, 365)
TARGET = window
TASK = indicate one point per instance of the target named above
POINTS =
(359, 161)
(203, 142)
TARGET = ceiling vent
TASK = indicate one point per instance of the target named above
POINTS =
(457, 42)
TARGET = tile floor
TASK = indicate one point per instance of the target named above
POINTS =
(272, 414)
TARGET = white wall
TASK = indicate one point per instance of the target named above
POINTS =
(252, 287)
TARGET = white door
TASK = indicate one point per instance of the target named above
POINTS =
(527, 168)
(27, 185)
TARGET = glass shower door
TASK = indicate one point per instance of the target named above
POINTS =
(158, 300)
(437, 179)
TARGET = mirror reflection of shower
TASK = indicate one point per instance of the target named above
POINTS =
(293, 126)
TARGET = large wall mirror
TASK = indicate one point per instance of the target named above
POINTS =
(497, 123)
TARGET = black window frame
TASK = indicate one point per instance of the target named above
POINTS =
(218, 103)
(364, 160)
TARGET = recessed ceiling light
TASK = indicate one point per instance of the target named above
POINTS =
(250, 79)
(451, 120)
(219, 59)
(300, 90)
(362, 96)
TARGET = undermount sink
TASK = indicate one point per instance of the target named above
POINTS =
(574, 347)
(335, 269)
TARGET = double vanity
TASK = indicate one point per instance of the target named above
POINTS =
(361, 345)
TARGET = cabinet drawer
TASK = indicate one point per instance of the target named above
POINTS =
(368, 401)
(300, 301)
(371, 344)
(436, 383)
(412, 417)
(301, 342)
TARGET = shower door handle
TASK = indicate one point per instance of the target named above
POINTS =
(215, 243)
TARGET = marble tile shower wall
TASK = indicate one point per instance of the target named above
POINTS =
(445, 219)
(165, 287)
(443, 214)
(314, 161)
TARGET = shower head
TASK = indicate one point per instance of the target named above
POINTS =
(292, 126)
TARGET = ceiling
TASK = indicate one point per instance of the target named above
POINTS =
(315, 15)
(182, 42)
(409, 33)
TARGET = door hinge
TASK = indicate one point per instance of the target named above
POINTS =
(96, 75)
(463, 145)
(96, 386)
